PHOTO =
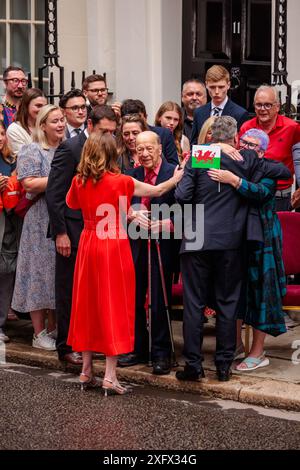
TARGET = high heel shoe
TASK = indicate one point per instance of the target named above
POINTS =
(87, 381)
(111, 388)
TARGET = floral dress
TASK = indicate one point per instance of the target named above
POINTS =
(35, 275)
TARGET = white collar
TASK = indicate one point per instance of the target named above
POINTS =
(220, 106)
(71, 128)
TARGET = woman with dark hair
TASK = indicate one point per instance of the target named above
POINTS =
(103, 304)
(170, 116)
(10, 228)
(19, 133)
(131, 126)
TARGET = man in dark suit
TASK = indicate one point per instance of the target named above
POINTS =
(217, 81)
(153, 170)
(66, 224)
(166, 138)
(214, 264)
(74, 107)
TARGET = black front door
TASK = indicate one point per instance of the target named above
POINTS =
(233, 33)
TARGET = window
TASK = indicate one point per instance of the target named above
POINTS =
(22, 34)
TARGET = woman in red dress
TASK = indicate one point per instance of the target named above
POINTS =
(103, 306)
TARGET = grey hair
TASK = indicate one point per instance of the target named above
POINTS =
(263, 88)
(224, 129)
(259, 135)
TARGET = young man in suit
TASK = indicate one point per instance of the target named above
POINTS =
(153, 170)
(167, 140)
(217, 81)
(66, 224)
(74, 107)
(215, 266)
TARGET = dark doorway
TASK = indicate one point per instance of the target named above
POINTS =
(233, 33)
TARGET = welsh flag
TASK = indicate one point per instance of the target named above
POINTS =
(206, 156)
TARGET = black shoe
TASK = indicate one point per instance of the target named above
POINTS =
(223, 374)
(131, 359)
(161, 366)
(190, 373)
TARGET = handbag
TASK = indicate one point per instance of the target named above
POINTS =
(24, 204)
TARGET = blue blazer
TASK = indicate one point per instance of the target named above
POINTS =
(231, 109)
(226, 214)
(168, 144)
(166, 172)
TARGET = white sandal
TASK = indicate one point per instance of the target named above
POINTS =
(253, 363)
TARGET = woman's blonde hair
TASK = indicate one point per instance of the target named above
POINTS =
(6, 153)
(39, 135)
(172, 106)
(205, 129)
(99, 155)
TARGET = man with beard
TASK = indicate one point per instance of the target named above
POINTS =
(15, 83)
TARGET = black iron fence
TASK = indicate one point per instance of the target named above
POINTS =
(48, 86)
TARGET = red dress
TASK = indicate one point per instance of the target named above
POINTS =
(103, 305)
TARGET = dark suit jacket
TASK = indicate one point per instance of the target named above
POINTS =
(225, 212)
(63, 169)
(168, 144)
(166, 172)
(231, 109)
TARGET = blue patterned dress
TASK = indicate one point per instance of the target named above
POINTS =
(35, 275)
(266, 275)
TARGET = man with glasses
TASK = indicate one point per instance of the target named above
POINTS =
(95, 90)
(73, 104)
(15, 83)
(284, 134)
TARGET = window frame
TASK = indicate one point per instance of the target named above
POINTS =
(33, 23)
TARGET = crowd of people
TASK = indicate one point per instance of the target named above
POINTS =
(66, 254)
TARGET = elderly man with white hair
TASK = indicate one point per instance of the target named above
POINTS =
(284, 135)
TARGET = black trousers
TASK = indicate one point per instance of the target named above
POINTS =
(64, 273)
(161, 343)
(7, 282)
(217, 273)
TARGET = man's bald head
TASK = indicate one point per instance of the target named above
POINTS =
(148, 136)
(148, 149)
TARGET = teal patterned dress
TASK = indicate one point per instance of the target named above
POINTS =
(266, 276)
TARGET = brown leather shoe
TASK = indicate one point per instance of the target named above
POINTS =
(73, 358)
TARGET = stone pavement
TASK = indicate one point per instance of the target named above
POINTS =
(276, 386)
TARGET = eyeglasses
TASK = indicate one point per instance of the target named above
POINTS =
(99, 90)
(75, 108)
(266, 106)
(249, 145)
(16, 81)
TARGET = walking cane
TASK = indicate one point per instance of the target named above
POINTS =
(163, 283)
(149, 300)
